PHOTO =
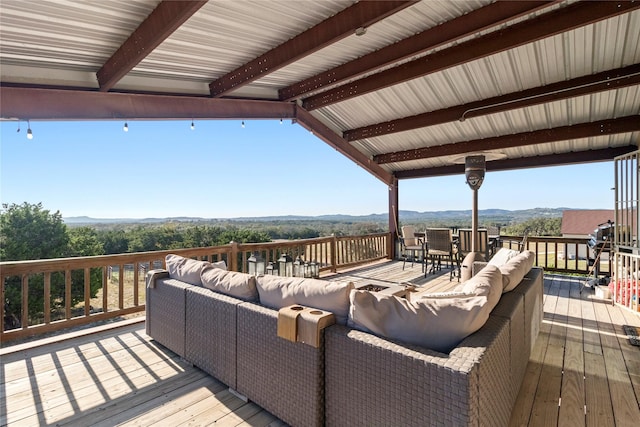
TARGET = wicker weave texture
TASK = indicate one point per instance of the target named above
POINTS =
(211, 333)
(283, 377)
(494, 373)
(165, 313)
(374, 381)
(511, 307)
(532, 288)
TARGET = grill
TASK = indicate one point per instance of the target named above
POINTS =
(599, 243)
(602, 236)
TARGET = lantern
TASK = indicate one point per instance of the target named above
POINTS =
(298, 267)
(256, 264)
(285, 263)
(272, 269)
(315, 269)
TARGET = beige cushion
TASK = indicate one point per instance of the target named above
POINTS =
(515, 269)
(451, 294)
(220, 264)
(439, 324)
(185, 269)
(277, 292)
(488, 282)
(232, 283)
(409, 236)
(503, 256)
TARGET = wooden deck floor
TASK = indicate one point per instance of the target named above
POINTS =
(583, 371)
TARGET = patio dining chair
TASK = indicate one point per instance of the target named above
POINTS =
(440, 247)
(411, 245)
(464, 242)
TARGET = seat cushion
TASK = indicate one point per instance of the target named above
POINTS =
(503, 256)
(231, 283)
(277, 292)
(515, 269)
(185, 269)
(437, 323)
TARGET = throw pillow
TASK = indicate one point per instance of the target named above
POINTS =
(232, 283)
(185, 269)
(277, 292)
(503, 256)
(515, 269)
(439, 324)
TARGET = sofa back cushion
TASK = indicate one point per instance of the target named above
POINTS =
(277, 292)
(515, 269)
(185, 269)
(232, 283)
(503, 256)
(488, 282)
(438, 323)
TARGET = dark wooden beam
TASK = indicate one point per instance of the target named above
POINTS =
(546, 25)
(319, 129)
(477, 20)
(331, 30)
(607, 80)
(560, 159)
(57, 104)
(160, 24)
(583, 130)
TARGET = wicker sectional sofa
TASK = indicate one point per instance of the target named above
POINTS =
(353, 377)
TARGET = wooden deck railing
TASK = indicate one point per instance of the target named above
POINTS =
(53, 285)
(60, 290)
(561, 254)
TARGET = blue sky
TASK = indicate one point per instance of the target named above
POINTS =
(221, 170)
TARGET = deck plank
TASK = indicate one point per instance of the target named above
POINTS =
(623, 399)
(545, 408)
(572, 403)
(582, 370)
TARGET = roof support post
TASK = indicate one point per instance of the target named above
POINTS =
(393, 218)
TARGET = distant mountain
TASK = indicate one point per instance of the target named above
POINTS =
(407, 216)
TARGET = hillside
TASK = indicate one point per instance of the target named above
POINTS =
(486, 215)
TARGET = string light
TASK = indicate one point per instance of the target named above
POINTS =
(192, 125)
(280, 121)
(29, 133)
(243, 124)
(125, 127)
(18, 130)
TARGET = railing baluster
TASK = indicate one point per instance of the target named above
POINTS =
(87, 291)
(47, 297)
(67, 294)
(105, 289)
(121, 286)
(25, 301)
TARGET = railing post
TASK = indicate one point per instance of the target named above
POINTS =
(334, 252)
(233, 262)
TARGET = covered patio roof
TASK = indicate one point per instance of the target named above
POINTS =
(403, 88)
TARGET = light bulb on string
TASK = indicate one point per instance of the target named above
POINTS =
(242, 124)
(192, 125)
(29, 133)
(125, 127)
(280, 121)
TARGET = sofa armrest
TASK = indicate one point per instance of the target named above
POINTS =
(153, 275)
(370, 380)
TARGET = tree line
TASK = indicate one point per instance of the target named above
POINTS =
(31, 232)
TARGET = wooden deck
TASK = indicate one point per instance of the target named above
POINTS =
(583, 370)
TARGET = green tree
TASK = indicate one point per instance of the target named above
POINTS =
(29, 232)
